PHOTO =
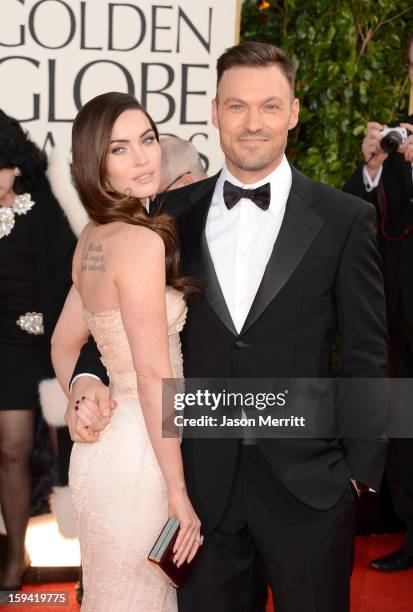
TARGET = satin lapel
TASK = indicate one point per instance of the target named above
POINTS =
(299, 228)
(196, 258)
(212, 288)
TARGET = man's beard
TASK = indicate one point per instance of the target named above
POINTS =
(255, 161)
(252, 163)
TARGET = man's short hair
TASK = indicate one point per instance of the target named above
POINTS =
(257, 54)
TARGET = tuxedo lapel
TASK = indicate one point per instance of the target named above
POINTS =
(212, 288)
(197, 259)
(299, 228)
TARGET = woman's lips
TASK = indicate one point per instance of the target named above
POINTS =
(143, 178)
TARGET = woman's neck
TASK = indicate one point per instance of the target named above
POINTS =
(8, 198)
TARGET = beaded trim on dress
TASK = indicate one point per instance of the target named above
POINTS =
(21, 206)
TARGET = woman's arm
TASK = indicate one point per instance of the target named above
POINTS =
(140, 278)
(69, 336)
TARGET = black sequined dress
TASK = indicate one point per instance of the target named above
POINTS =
(24, 357)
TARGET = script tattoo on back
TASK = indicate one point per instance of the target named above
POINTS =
(92, 260)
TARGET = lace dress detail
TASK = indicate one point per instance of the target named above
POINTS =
(118, 491)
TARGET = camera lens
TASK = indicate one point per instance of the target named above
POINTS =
(391, 142)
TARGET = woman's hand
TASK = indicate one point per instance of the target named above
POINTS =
(189, 537)
(89, 410)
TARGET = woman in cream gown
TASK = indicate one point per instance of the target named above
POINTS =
(128, 293)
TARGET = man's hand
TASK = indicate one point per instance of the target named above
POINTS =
(374, 156)
(89, 409)
(406, 148)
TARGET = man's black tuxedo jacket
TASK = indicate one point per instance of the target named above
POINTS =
(323, 277)
(396, 180)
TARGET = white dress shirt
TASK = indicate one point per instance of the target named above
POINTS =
(241, 240)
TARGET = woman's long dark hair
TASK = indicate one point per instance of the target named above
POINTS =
(18, 151)
(91, 133)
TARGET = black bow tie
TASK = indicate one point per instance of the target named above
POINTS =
(260, 196)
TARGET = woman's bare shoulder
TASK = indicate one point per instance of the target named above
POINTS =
(126, 237)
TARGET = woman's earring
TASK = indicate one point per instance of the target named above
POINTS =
(17, 171)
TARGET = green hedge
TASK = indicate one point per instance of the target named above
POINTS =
(352, 69)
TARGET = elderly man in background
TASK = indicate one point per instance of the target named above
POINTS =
(181, 164)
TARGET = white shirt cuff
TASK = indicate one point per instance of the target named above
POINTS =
(78, 376)
(370, 183)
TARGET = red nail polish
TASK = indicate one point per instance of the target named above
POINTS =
(76, 408)
(83, 397)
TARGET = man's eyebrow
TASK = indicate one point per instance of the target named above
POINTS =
(125, 140)
(234, 100)
(277, 98)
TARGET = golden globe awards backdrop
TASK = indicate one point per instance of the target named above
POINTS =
(55, 55)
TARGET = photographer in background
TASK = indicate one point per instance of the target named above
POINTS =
(386, 180)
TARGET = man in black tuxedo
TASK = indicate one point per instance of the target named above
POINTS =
(285, 263)
(386, 181)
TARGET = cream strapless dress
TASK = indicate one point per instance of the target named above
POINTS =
(118, 491)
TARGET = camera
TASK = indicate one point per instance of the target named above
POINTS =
(392, 138)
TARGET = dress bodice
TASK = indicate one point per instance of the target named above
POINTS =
(119, 494)
(110, 336)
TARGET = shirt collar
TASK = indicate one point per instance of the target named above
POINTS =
(280, 180)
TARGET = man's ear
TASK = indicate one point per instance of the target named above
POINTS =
(186, 179)
(294, 114)
(214, 112)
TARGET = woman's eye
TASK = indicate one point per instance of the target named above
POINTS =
(117, 150)
(148, 139)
